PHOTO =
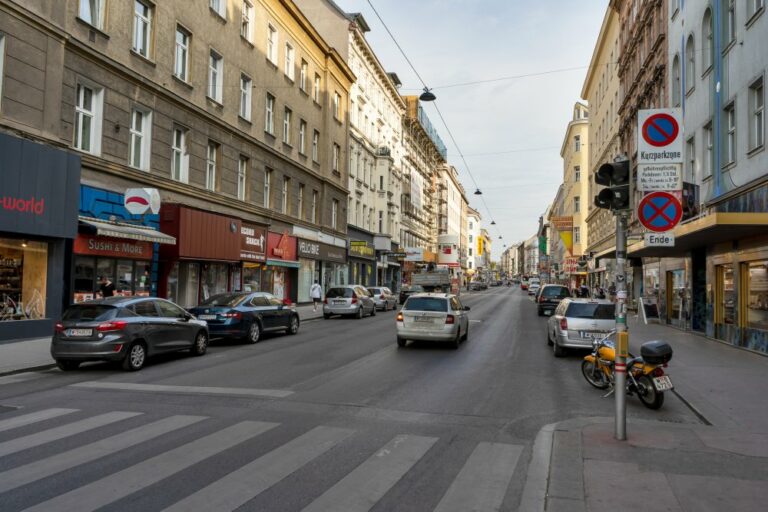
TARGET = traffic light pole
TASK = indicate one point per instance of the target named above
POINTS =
(622, 336)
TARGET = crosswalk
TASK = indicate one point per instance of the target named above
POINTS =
(480, 484)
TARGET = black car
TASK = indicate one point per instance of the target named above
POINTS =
(247, 315)
(549, 296)
(127, 329)
(406, 291)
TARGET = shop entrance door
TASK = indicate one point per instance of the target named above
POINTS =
(676, 293)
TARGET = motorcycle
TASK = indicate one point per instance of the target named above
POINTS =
(645, 374)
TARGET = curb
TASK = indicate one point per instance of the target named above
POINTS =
(28, 369)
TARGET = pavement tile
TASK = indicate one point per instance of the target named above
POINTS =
(621, 486)
(565, 505)
(566, 478)
(718, 494)
(742, 443)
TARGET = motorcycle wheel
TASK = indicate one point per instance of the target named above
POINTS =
(594, 376)
(647, 393)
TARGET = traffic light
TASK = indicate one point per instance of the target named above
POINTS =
(615, 176)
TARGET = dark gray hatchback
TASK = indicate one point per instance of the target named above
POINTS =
(126, 329)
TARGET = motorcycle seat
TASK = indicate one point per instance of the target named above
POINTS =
(634, 360)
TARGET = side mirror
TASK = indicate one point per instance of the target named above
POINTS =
(466, 308)
(185, 317)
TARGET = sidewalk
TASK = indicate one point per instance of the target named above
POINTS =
(34, 354)
(720, 464)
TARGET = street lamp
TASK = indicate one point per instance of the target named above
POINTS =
(493, 223)
(427, 95)
(478, 193)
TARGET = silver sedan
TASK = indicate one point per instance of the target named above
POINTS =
(433, 317)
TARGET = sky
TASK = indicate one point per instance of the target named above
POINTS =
(456, 41)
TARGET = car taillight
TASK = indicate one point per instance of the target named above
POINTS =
(399, 317)
(117, 325)
(232, 314)
(563, 324)
(541, 299)
(382, 296)
(59, 327)
(354, 299)
(450, 319)
(117, 348)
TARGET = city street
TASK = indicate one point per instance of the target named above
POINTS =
(334, 418)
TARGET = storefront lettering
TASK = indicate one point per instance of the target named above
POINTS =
(251, 238)
(115, 247)
(31, 205)
(309, 249)
(282, 246)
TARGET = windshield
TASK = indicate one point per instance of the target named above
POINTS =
(591, 311)
(89, 313)
(416, 288)
(426, 304)
(230, 300)
(339, 293)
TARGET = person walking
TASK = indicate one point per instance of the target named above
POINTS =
(316, 293)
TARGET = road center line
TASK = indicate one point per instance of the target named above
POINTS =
(206, 390)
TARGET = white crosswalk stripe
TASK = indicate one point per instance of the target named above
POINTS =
(28, 419)
(119, 485)
(40, 469)
(252, 479)
(483, 480)
(68, 430)
(366, 484)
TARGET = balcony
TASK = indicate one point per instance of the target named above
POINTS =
(383, 151)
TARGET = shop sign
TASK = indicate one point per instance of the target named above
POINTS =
(361, 249)
(139, 201)
(281, 246)
(397, 255)
(253, 243)
(112, 247)
(309, 249)
(414, 254)
(571, 265)
(334, 254)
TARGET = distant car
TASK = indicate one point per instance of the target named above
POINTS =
(407, 290)
(533, 287)
(351, 300)
(433, 316)
(549, 296)
(478, 285)
(126, 329)
(247, 315)
(383, 297)
(576, 322)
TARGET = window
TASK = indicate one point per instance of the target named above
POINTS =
(690, 154)
(181, 62)
(576, 204)
(757, 313)
(141, 138)
(246, 86)
(729, 27)
(88, 119)
(708, 143)
(314, 206)
(303, 76)
(707, 40)
(269, 116)
(754, 6)
(316, 89)
(334, 213)
(215, 76)
(267, 186)
(576, 235)
(287, 126)
(577, 173)
(336, 156)
(757, 115)
(300, 202)
(272, 44)
(302, 136)
(289, 61)
(336, 105)
(577, 142)
(730, 124)
(284, 195)
(179, 157)
(676, 85)
(210, 165)
(690, 63)
(381, 182)
(246, 21)
(381, 221)
(242, 177)
(142, 28)
(219, 6)
(315, 143)
(92, 11)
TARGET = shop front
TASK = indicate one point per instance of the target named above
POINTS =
(253, 254)
(319, 262)
(281, 273)
(206, 258)
(39, 191)
(362, 263)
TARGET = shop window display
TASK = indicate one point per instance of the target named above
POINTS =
(131, 278)
(251, 277)
(727, 294)
(23, 279)
(214, 278)
(183, 283)
(757, 314)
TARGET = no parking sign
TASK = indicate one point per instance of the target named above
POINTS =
(659, 136)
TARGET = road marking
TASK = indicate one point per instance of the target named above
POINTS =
(123, 483)
(254, 478)
(206, 390)
(364, 486)
(475, 321)
(34, 417)
(68, 430)
(483, 480)
(40, 469)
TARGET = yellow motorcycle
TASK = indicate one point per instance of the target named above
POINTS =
(645, 374)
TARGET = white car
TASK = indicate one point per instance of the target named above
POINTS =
(433, 316)
(533, 286)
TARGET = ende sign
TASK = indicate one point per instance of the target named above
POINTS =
(659, 136)
(653, 177)
(659, 239)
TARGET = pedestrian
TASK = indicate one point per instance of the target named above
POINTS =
(106, 287)
(316, 293)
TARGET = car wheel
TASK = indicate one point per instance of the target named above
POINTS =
(466, 334)
(200, 346)
(254, 332)
(549, 339)
(66, 365)
(457, 340)
(558, 350)
(401, 342)
(359, 313)
(293, 328)
(373, 310)
(135, 357)
(326, 316)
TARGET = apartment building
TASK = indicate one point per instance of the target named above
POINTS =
(451, 205)
(474, 225)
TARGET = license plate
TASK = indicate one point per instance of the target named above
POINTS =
(206, 317)
(79, 332)
(547, 312)
(591, 335)
(423, 319)
(662, 383)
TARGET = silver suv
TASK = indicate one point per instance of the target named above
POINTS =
(433, 316)
(577, 322)
(351, 300)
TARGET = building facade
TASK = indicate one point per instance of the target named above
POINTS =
(451, 205)
(474, 226)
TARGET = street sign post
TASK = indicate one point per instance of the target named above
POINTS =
(660, 136)
(659, 211)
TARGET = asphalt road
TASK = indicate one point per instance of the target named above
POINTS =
(334, 418)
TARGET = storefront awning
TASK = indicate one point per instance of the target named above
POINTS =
(129, 231)
(282, 263)
(705, 231)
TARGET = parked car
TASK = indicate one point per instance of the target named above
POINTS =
(407, 290)
(533, 286)
(127, 329)
(433, 316)
(351, 300)
(576, 322)
(384, 298)
(478, 285)
(549, 296)
(246, 315)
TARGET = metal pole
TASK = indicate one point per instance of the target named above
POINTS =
(622, 336)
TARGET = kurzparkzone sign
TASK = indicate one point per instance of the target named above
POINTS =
(660, 136)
